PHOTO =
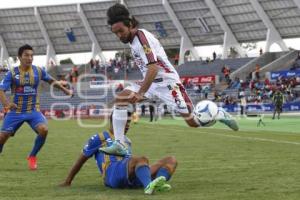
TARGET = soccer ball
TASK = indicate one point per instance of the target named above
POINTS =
(206, 111)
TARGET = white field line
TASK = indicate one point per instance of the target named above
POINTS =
(256, 139)
(238, 137)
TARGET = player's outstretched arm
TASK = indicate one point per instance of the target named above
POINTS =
(74, 170)
(61, 85)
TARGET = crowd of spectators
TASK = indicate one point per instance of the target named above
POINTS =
(256, 89)
(259, 91)
(112, 67)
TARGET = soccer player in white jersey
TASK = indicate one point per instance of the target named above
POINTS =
(160, 78)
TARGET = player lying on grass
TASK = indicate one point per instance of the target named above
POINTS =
(124, 172)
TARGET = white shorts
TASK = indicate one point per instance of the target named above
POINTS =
(172, 94)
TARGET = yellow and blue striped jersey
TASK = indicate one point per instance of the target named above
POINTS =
(24, 87)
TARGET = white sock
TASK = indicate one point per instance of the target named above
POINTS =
(119, 120)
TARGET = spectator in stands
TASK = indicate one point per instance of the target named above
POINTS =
(206, 91)
(257, 70)
(189, 84)
(207, 60)
(217, 96)
(92, 65)
(97, 66)
(199, 89)
(143, 110)
(267, 82)
(226, 72)
(243, 102)
(74, 74)
(214, 56)
(152, 112)
(249, 77)
(176, 59)
(236, 84)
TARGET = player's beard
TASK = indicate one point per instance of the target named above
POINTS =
(127, 39)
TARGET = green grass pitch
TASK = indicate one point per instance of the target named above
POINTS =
(256, 163)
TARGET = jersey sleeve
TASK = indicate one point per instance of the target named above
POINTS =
(147, 50)
(92, 146)
(6, 82)
(45, 76)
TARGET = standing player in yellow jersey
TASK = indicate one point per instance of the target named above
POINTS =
(24, 81)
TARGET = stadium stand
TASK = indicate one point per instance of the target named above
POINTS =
(202, 68)
(44, 27)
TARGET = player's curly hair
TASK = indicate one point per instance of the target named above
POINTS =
(119, 13)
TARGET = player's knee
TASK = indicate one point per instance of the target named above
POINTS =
(43, 130)
(3, 137)
(142, 160)
(172, 160)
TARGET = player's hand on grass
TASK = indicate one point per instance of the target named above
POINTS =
(65, 184)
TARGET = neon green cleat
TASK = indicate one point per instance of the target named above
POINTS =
(228, 120)
(164, 188)
(155, 184)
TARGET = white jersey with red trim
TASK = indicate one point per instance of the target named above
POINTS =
(146, 49)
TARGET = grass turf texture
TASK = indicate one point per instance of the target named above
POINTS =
(214, 163)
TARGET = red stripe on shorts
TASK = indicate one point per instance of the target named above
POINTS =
(186, 97)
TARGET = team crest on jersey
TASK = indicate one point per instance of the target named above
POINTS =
(135, 54)
(147, 49)
(27, 80)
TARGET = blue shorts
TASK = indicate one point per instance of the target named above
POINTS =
(13, 121)
(116, 175)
